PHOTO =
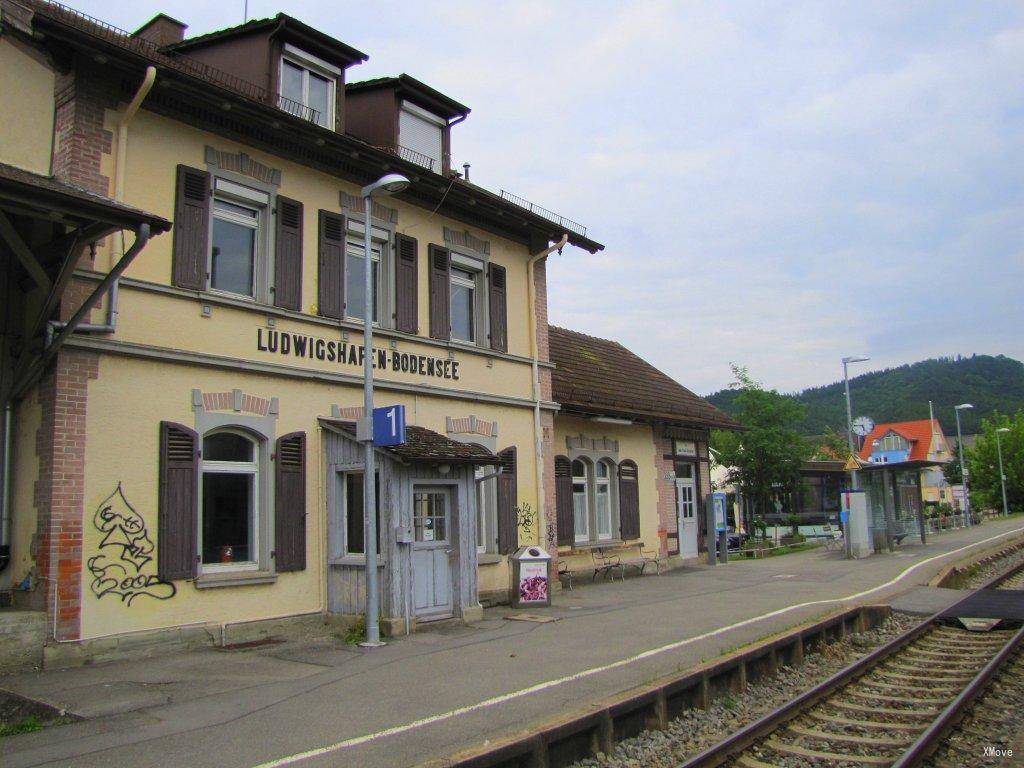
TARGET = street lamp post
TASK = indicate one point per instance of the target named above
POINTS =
(386, 185)
(1002, 477)
(854, 482)
(963, 469)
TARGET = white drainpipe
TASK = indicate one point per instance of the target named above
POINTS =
(538, 433)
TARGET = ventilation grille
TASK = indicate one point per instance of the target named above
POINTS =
(563, 468)
(195, 187)
(291, 452)
(180, 445)
(289, 215)
(333, 227)
(627, 471)
(441, 260)
(497, 277)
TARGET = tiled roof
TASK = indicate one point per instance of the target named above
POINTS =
(599, 376)
(17, 183)
(918, 433)
(819, 465)
(424, 444)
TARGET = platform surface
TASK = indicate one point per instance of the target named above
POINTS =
(434, 693)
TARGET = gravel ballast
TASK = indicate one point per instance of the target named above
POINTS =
(698, 729)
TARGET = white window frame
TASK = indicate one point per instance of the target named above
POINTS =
(606, 482)
(310, 63)
(247, 197)
(584, 480)
(481, 310)
(252, 468)
(486, 479)
(382, 252)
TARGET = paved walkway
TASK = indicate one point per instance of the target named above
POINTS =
(327, 704)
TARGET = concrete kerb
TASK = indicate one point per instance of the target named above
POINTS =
(950, 572)
(603, 724)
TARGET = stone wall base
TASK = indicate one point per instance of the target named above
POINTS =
(22, 634)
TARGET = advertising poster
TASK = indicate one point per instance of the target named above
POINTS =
(533, 582)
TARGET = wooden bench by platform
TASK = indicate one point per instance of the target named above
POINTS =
(608, 560)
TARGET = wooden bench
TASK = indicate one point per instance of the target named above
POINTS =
(566, 571)
(608, 560)
(829, 536)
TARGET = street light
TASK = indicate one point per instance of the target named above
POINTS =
(849, 413)
(963, 470)
(386, 185)
(1002, 477)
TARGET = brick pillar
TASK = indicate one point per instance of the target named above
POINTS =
(82, 96)
(549, 535)
(60, 489)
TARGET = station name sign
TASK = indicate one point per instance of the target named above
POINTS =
(341, 352)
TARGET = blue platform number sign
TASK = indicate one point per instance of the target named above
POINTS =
(389, 425)
(718, 504)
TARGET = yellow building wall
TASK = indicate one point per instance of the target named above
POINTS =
(125, 405)
(26, 99)
(156, 145)
(636, 442)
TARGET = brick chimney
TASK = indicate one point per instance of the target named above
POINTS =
(162, 30)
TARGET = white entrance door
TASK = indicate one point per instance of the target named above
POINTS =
(431, 551)
(686, 499)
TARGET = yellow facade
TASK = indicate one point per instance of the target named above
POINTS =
(27, 100)
(636, 443)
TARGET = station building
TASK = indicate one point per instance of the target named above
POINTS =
(181, 243)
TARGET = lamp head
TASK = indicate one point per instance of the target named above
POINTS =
(390, 184)
(855, 359)
(963, 407)
(1003, 429)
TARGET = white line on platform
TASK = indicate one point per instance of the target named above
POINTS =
(495, 700)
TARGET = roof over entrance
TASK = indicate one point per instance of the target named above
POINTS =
(424, 444)
(602, 377)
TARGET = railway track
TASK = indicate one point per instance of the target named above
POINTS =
(894, 706)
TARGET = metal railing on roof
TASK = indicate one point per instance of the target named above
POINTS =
(124, 39)
(538, 210)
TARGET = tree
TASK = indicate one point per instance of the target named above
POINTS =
(767, 455)
(832, 446)
(983, 464)
(951, 470)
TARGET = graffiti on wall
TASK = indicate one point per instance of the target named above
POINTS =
(125, 565)
(525, 517)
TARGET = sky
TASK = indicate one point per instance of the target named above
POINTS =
(777, 185)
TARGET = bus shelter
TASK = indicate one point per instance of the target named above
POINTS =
(894, 501)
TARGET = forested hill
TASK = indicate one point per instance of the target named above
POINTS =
(902, 394)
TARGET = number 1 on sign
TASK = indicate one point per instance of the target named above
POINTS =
(394, 425)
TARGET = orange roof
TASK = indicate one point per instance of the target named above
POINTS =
(918, 433)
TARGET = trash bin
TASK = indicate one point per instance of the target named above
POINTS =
(531, 577)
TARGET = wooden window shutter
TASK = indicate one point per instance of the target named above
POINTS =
(508, 517)
(563, 501)
(290, 503)
(178, 505)
(440, 293)
(191, 229)
(629, 501)
(498, 307)
(331, 265)
(288, 254)
(406, 284)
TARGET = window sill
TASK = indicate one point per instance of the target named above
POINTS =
(234, 579)
(488, 558)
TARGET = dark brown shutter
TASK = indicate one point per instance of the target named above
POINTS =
(629, 501)
(178, 505)
(191, 229)
(406, 285)
(563, 501)
(508, 520)
(290, 503)
(440, 293)
(288, 254)
(498, 306)
(331, 265)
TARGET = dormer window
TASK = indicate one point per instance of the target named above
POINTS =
(308, 86)
(423, 134)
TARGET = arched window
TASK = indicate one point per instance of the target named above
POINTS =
(229, 528)
(580, 503)
(603, 499)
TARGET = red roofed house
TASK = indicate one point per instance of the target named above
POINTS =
(914, 441)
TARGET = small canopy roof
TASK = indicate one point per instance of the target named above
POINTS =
(425, 445)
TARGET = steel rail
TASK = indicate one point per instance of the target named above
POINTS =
(732, 746)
